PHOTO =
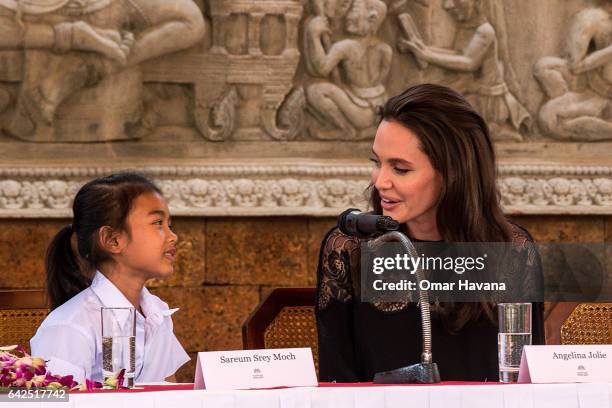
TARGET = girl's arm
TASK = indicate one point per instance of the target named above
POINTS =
(68, 349)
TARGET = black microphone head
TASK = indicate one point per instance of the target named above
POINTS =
(346, 224)
(385, 223)
(364, 225)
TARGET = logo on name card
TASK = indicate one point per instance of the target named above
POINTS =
(582, 372)
(257, 374)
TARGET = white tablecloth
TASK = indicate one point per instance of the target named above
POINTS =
(443, 396)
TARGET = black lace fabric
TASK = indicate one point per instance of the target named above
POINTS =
(338, 266)
(358, 339)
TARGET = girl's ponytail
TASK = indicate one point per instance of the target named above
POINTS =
(64, 277)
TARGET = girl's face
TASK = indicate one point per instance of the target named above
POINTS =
(150, 246)
(406, 181)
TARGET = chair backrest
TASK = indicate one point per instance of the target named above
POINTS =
(21, 312)
(284, 319)
(589, 323)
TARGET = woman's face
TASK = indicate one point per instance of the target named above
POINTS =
(406, 181)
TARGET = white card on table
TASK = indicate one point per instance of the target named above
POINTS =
(244, 369)
(566, 364)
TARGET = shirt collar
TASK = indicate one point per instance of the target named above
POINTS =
(108, 293)
(111, 296)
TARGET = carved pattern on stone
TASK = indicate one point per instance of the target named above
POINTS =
(272, 73)
(477, 65)
(297, 190)
(222, 116)
(290, 116)
(79, 67)
(579, 87)
(350, 73)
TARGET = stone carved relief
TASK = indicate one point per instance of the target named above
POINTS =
(223, 118)
(248, 57)
(85, 70)
(258, 190)
(81, 79)
(477, 64)
(290, 116)
(579, 87)
(354, 69)
(556, 191)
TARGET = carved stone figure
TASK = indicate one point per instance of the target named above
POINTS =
(81, 81)
(247, 52)
(579, 87)
(478, 63)
(364, 61)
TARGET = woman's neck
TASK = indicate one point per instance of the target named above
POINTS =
(424, 231)
(129, 284)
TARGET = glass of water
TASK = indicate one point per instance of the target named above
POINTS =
(514, 333)
(119, 343)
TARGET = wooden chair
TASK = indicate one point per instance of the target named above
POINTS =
(284, 319)
(21, 312)
(555, 314)
(589, 323)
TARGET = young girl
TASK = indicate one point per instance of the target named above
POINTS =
(122, 229)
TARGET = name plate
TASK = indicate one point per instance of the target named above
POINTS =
(566, 364)
(244, 369)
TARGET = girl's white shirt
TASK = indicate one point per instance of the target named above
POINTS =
(70, 338)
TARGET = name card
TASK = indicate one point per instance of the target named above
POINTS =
(244, 369)
(566, 364)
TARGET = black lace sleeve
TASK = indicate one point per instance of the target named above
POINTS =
(528, 267)
(338, 264)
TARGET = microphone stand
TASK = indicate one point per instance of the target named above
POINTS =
(427, 371)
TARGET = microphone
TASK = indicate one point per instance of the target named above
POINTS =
(363, 225)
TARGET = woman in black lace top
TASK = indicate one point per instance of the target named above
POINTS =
(434, 172)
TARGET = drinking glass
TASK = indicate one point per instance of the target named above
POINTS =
(514, 334)
(119, 343)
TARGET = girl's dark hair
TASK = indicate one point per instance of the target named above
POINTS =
(105, 201)
(456, 139)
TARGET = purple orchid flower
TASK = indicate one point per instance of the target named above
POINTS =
(116, 381)
(88, 385)
(19, 369)
(66, 381)
(36, 364)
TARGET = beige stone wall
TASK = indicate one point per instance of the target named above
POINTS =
(241, 108)
(226, 266)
